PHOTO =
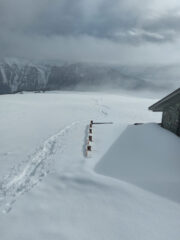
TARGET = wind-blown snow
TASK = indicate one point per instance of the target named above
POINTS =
(52, 189)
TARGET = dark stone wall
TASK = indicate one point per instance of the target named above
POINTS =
(171, 119)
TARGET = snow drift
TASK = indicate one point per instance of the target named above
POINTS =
(147, 156)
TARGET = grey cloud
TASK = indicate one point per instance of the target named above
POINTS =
(68, 17)
(63, 28)
(167, 25)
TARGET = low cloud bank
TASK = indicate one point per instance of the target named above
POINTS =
(23, 75)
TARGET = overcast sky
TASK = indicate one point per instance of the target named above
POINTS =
(120, 31)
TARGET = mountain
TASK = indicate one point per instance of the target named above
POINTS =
(22, 75)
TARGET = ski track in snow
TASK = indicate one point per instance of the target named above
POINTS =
(21, 181)
(103, 109)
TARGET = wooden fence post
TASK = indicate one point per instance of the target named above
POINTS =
(90, 138)
(88, 148)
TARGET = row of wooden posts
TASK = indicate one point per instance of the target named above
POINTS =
(90, 138)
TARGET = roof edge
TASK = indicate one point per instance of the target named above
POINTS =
(156, 105)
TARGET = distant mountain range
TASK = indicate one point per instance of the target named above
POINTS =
(22, 75)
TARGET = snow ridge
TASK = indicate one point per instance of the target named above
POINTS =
(17, 183)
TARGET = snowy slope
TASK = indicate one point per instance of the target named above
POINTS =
(52, 191)
(18, 75)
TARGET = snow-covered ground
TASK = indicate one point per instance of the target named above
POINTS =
(147, 156)
(49, 189)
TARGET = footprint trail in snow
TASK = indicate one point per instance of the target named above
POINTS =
(102, 108)
(21, 181)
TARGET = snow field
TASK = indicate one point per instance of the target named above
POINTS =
(69, 200)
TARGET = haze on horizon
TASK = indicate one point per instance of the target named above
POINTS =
(116, 31)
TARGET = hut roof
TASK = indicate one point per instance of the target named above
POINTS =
(166, 102)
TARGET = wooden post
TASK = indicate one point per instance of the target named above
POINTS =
(90, 138)
(88, 148)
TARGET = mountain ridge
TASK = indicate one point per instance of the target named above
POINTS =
(18, 75)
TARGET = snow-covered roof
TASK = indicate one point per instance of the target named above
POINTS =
(170, 100)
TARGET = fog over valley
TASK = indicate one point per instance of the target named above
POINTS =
(136, 43)
(18, 75)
